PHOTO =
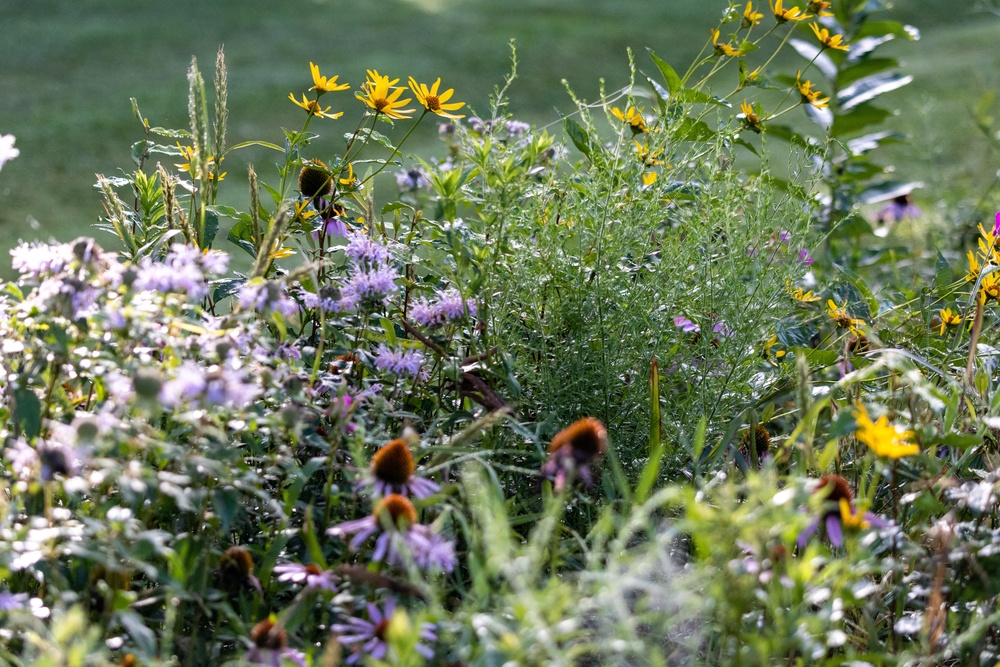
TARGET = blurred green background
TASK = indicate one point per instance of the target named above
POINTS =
(69, 68)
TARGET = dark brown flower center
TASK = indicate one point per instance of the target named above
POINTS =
(433, 102)
(236, 563)
(398, 508)
(381, 629)
(393, 463)
(381, 104)
(313, 569)
(315, 180)
(835, 488)
(587, 437)
(269, 635)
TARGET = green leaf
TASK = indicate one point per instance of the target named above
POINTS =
(862, 286)
(887, 190)
(226, 502)
(822, 117)
(884, 28)
(579, 136)
(816, 358)
(691, 129)
(395, 206)
(870, 87)
(173, 134)
(860, 117)
(390, 331)
(227, 288)
(27, 411)
(870, 142)
(140, 150)
(700, 97)
(852, 73)
(669, 75)
(211, 228)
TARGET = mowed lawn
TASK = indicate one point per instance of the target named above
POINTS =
(69, 68)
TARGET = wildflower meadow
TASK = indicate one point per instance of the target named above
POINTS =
(673, 380)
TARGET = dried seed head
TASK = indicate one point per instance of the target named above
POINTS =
(269, 635)
(236, 564)
(398, 508)
(759, 437)
(315, 180)
(587, 437)
(393, 463)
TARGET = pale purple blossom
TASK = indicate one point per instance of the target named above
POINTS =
(10, 601)
(216, 385)
(412, 179)
(686, 325)
(267, 296)
(368, 287)
(804, 257)
(517, 129)
(398, 545)
(313, 576)
(722, 329)
(784, 236)
(898, 209)
(328, 300)
(449, 306)
(33, 260)
(361, 248)
(22, 457)
(399, 362)
(369, 635)
(7, 150)
(182, 270)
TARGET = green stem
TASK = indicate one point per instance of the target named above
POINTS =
(395, 150)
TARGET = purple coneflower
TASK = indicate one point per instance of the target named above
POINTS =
(392, 471)
(838, 512)
(573, 450)
(313, 576)
(400, 537)
(370, 635)
(270, 645)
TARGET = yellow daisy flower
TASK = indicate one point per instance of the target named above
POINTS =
(435, 103)
(750, 118)
(750, 17)
(322, 84)
(649, 178)
(890, 441)
(990, 287)
(648, 158)
(187, 152)
(631, 116)
(801, 296)
(724, 49)
(829, 41)
(988, 247)
(819, 7)
(948, 319)
(839, 315)
(784, 15)
(313, 107)
(382, 95)
(809, 95)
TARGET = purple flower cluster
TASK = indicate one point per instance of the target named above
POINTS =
(267, 296)
(372, 280)
(327, 300)
(448, 307)
(398, 362)
(217, 385)
(33, 260)
(183, 270)
(413, 179)
(686, 325)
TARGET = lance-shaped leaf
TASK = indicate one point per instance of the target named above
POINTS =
(859, 118)
(870, 87)
(887, 190)
(870, 142)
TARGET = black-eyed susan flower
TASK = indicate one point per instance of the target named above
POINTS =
(785, 15)
(749, 118)
(400, 538)
(189, 154)
(839, 315)
(809, 95)
(722, 49)
(948, 319)
(322, 84)
(990, 286)
(819, 7)
(574, 450)
(633, 117)
(829, 41)
(436, 103)
(886, 440)
(313, 107)
(837, 512)
(392, 471)
(381, 94)
(750, 17)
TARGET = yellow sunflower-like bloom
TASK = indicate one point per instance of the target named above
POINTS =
(435, 103)
(724, 49)
(322, 84)
(750, 17)
(803, 297)
(988, 246)
(850, 519)
(313, 107)
(839, 315)
(949, 319)
(749, 118)
(829, 41)
(774, 355)
(819, 7)
(649, 178)
(382, 95)
(784, 15)
(974, 268)
(809, 95)
(188, 152)
(890, 441)
(650, 158)
(633, 117)
(990, 286)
